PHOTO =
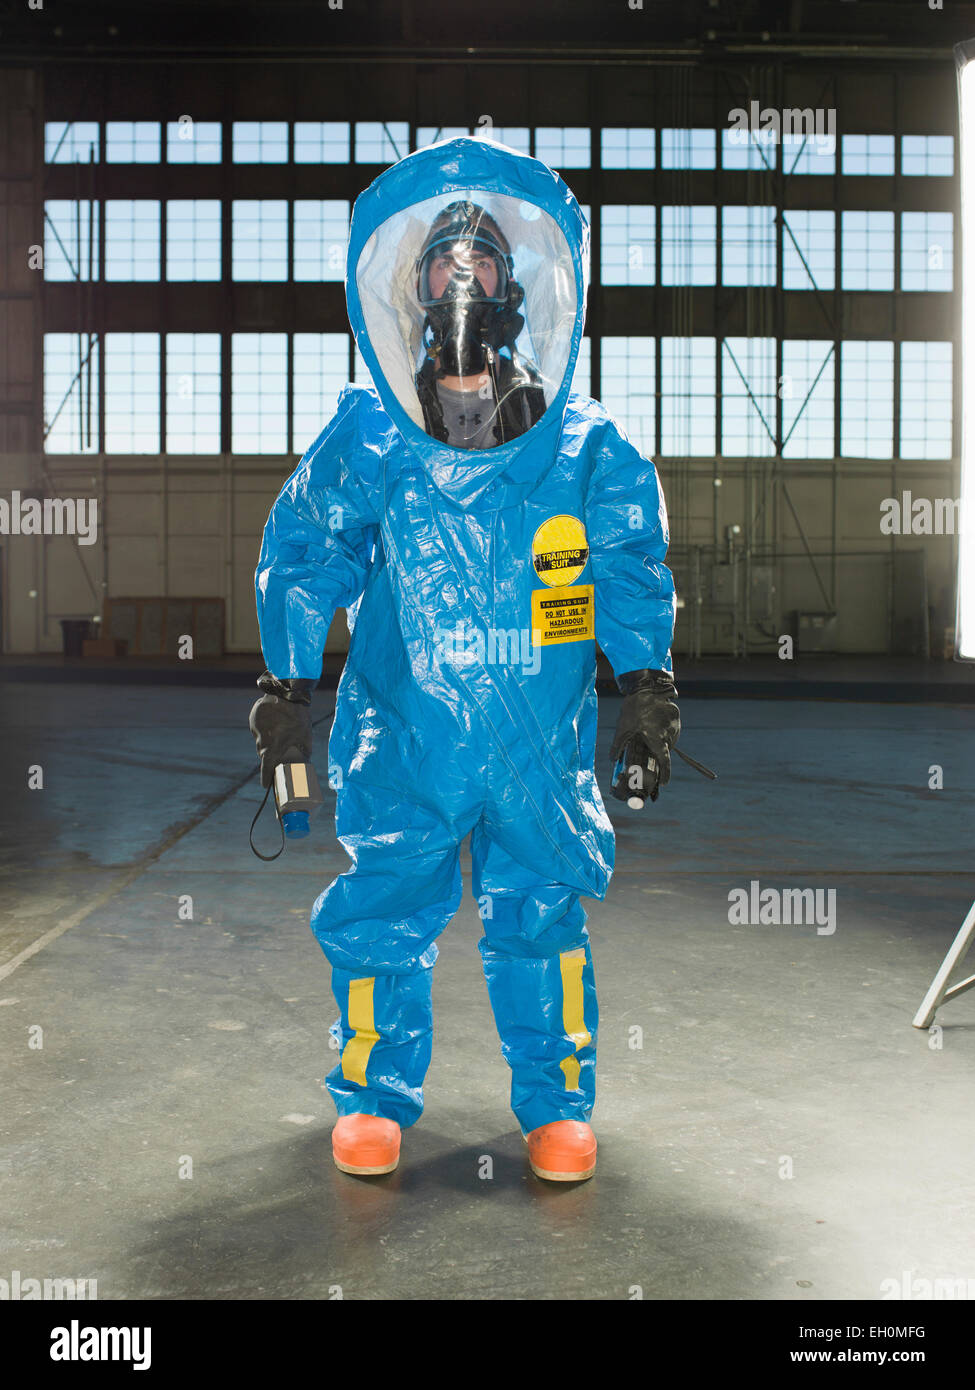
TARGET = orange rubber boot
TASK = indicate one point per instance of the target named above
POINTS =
(365, 1144)
(564, 1151)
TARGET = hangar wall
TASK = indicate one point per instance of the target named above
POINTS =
(809, 529)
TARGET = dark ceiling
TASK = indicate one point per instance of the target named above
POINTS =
(476, 29)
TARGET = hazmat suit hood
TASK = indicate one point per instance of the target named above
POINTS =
(549, 250)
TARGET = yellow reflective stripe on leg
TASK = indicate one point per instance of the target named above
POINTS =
(572, 964)
(355, 1055)
(572, 1069)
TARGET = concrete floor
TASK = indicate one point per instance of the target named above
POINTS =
(764, 1048)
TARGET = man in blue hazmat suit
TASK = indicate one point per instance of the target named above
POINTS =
(483, 528)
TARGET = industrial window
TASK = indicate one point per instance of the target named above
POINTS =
(926, 250)
(688, 245)
(688, 402)
(321, 369)
(192, 393)
(194, 142)
(925, 400)
(260, 142)
(629, 390)
(808, 154)
(322, 142)
(193, 239)
(748, 149)
(564, 147)
(381, 142)
(517, 137)
(868, 251)
(70, 240)
(132, 393)
(433, 134)
(132, 142)
(748, 397)
(70, 142)
(321, 239)
(259, 393)
(807, 387)
(687, 149)
(689, 405)
(581, 382)
(628, 245)
(748, 246)
(868, 154)
(71, 364)
(629, 148)
(808, 250)
(932, 155)
(867, 399)
(260, 239)
(131, 240)
(361, 374)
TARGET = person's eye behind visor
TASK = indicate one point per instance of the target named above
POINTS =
(449, 269)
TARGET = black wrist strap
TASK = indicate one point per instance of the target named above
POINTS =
(692, 762)
(266, 857)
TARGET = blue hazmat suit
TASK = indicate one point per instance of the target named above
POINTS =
(476, 585)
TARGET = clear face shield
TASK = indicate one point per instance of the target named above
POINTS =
(474, 291)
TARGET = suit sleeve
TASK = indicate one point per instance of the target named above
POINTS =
(317, 547)
(626, 522)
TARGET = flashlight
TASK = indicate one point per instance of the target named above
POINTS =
(297, 794)
(635, 801)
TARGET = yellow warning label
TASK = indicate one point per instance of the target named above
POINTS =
(563, 617)
(560, 550)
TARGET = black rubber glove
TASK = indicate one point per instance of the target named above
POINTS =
(281, 723)
(648, 727)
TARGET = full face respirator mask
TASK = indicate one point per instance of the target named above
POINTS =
(464, 282)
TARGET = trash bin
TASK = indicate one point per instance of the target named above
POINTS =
(73, 633)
